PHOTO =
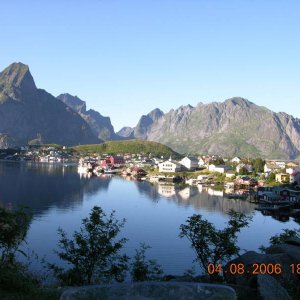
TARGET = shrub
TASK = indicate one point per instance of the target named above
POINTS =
(213, 246)
(93, 253)
(143, 269)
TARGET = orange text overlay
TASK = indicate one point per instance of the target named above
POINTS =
(254, 269)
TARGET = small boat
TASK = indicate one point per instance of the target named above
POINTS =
(229, 185)
(85, 167)
(109, 170)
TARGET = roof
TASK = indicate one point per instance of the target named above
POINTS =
(191, 158)
(171, 161)
(270, 166)
(223, 166)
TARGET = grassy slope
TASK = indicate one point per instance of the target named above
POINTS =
(128, 146)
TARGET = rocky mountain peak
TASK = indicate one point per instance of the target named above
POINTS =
(126, 132)
(155, 114)
(73, 101)
(100, 125)
(31, 115)
(238, 101)
(17, 75)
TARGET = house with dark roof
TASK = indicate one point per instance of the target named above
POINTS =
(190, 163)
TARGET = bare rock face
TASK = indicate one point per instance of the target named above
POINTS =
(233, 127)
(146, 122)
(29, 114)
(6, 141)
(126, 133)
(144, 126)
(270, 285)
(270, 289)
(100, 125)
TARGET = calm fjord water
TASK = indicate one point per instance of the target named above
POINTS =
(59, 197)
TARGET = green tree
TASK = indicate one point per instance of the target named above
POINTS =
(13, 230)
(14, 275)
(258, 165)
(244, 171)
(213, 246)
(143, 269)
(93, 253)
(217, 161)
(271, 177)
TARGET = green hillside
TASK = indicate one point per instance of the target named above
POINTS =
(128, 146)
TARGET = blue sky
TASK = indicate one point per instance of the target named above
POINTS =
(125, 58)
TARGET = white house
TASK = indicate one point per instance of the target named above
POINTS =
(201, 163)
(280, 164)
(169, 166)
(230, 174)
(292, 170)
(211, 168)
(236, 160)
(190, 163)
(219, 169)
(268, 168)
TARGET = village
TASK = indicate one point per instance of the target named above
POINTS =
(273, 184)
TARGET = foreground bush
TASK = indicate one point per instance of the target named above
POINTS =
(94, 253)
(213, 246)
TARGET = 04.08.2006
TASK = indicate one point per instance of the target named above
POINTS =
(253, 269)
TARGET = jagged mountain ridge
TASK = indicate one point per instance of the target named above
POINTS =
(233, 127)
(31, 115)
(100, 125)
(141, 129)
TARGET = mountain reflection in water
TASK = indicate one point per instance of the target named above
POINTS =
(41, 186)
(59, 197)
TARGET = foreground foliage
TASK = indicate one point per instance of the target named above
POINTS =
(16, 281)
(13, 231)
(143, 269)
(213, 246)
(93, 253)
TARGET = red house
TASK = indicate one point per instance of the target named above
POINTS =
(135, 171)
(112, 161)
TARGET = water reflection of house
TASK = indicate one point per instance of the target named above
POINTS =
(201, 188)
(203, 178)
(229, 191)
(213, 192)
(185, 193)
(166, 190)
